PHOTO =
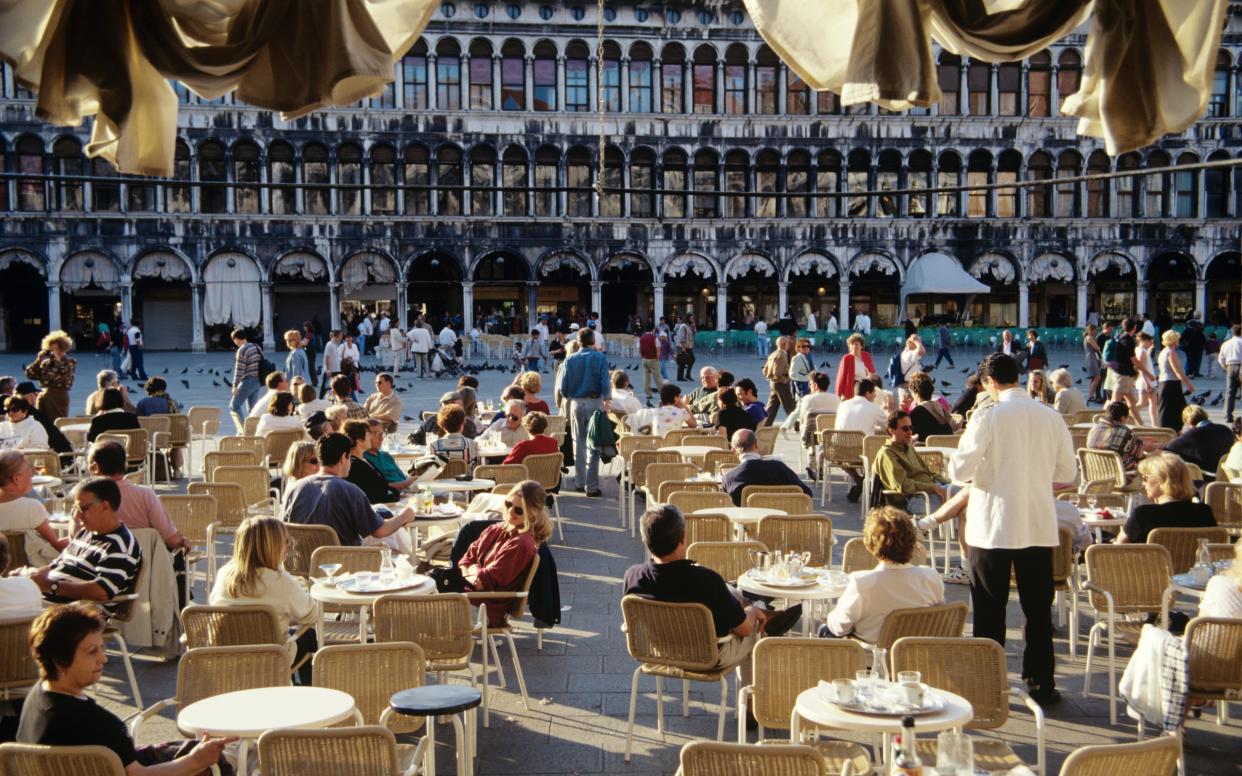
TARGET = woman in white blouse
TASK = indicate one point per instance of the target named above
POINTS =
(894, 584)
(256, 576)
(279, 415)
(20, 431)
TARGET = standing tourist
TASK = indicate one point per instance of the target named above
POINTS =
(800, 368)
(649, 352)
(945, 341)
(296, 363)
(1091, 363)
(396, 348)
(1171, 377)
(762, 343)
(331, 360)
(862, 324)
(586, 385)
(54, 371)
(1011, 521)
(1145, 381)
(137, 371)
(1230, 360)
(855, 365)
(1124, 363)
(683, 339)
(420, 346)
(246, 384)
(1193, 343)
(776, 370)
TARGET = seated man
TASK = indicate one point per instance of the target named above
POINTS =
(509, 426)
(862, 413)
(730, 418)
(1201, 442)
(328, 499)
(702, 400)
(361, 472)
(817, 402)
(748, 397)
(101, 561)
(276, 382)
(342, 388)
(900, 468)
(754, 469)
(384, 463)
(67, 643)
(384, 405)
(1111, 433)
(670, 577)
(870, 596)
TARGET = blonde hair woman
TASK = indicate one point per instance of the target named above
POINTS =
(1037, 386)
(1167, 483)
(1091, 354)
(256, 576)
(296, 363)
(531, 383)
(1170, 379)
(55, 371)
(500, 558)
(300, 461)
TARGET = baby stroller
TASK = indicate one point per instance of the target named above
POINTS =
(443, 364)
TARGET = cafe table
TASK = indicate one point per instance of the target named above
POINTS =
(1188, 585)
(1092, 519)
(458, 486)
(46, 481)
(815, 590)
(249, 714)
(324, 594)
(742, 517)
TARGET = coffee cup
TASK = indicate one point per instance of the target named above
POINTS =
(1200, 575)
(845, 689)
(912, 693)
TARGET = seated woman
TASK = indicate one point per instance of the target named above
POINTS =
(309, 402)
(256, 576)
(452, 444)
(300, 461)
(531, 383)
(540, 443)
(1038, 388)
(870, 596)
(1068, 399)
(730, 417)
(279, 415)
(928, 416)
(67, 644)
(21, 431)
(500, 558)
(361, 472)
(672, 412)
(112, 416)
(157, 401)
(19, 596)
(18, 512)
(1223, 597)
(1111, 433)
(1166, 480)
(107, 378)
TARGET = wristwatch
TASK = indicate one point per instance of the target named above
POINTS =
(54, 588)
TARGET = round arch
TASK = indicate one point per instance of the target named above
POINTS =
(231, 295)
(1111, 285)
(753, 291)
(160, 296)
(564, 276)
(503, 296)
(814, 278)
(23, 300)
(369, 279)
(90, 292)
(300, 282)
(1224, 302)
(1000, 271)
(875, 286)
(433, 286)
(1171, 277)
(1053, 292)
(627, 292)
(691, 287)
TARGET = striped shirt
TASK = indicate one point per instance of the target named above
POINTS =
(109, 560)
(246, 362)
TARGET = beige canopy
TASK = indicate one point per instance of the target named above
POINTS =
(1147, 70)
(114, 60)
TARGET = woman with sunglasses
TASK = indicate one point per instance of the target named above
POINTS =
(499, 559)
(1167, 484)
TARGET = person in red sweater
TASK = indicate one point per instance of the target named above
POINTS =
(536, 423)
(854, 366)
(531, 383)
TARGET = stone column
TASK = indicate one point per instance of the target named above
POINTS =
(994, 89)
(403, 303)
(782, 297)
(53, 306)
(1201, 300)
(528, 83)
(1081, 287)
(597, 299)
(687, 84)
(433, 83)
(467, 306)
(722, 311)
(1054, 97)
(1140, 296)
(334, 301)
(718, 102)
(625, 84)
(657, 87)
(1022, 88)
(592, 84)
(532, 303)
(1024, 302)
(752, 92)
(560, 83)
(197, 343)
(657, 309)
(963, 93)
(265, 293)
(127, 299)
(496, 82)
(782, 89)
(843, 305)
(991, 193)
(464, 83)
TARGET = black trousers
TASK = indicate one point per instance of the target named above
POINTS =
(989, 592)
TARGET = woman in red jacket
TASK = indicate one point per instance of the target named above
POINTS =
(848, 372)
(539, 443)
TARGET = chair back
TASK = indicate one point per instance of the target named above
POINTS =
(453, 467)
(364, 750)
(785, 666)
(1183, 543)
(679, 636)
(1155, 755)
(124, 603)
(277, 444)
(545, 469)
(972, 668)
(1225, 499)
(1085, 416)
(503, 474)
(947, 620)
(557, 424)
(179, 433)
(642, 459)
(17, 550)
(43, 760)
(942, 440)
(708, 528)
(728, 559)
(255, 481)
(216, 459)
(372, 674)
(231, 626)
(856, 557)
(674, 437)
(798, 533)
(689, 501)
(658, 473)
(766, 437)
(669, 487)
(138, 447)
(871, 447)
(155, 424)
(517, 604)
(191, 514)
(1078, 437)
(204, 421)
(17, 667)
(49, 460)
(250, 426)
(247, 444)
(842, 447)
(352, 559)
(1135, 574)
(1107, 500)
(627, 444)
(1154, 435)
(933, 460)
(1063, 557)
(751, 490)
(824, 421)
(790, 503)
(1100, 465)
(208, 671)
(301, 541)
(717, 458)
(230, 500)
(706, 440)
(1219, 552)
(441, 624)
(710, 758)
(1214, 654)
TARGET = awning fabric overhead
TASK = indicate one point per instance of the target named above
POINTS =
(231, 291)
(114, 60)
(1147, 69)
(936, 273)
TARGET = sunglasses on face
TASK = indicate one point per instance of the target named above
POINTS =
(313, 461)
(516, 509)
(514, 417)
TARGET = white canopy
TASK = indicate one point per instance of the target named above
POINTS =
(936, 273)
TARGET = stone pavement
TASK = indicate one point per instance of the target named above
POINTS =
(579, 683)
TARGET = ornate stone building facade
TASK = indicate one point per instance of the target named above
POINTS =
(731, 190)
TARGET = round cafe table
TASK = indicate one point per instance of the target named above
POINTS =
(458, 486)
(249, 714)
(741, 517)
(46, 481)
(811, 592)
(1187, 585)
(1091, 519)
(323, 594)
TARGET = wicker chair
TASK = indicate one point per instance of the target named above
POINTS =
(122, 612)
(159, 432)
(974, 669)
(1219, 552)
(557, 424)
(943, 440)
(195, 518)
(453, 468)
(689, 502)
(244, 444)
(789, 503)
(236, 626)
(48, 460)
(708, 528)
(627, 445)
(856, 557)
(255, 482)
(713, 460)
(752, 490)
(636, 480)
(1214, 654)
(17, 550)
(1154, 756)
(18, 671)
(1183, 543)
(487, 633)
(179, 437)
(41, 760)
(706, 440)
(798, 533)
(230, 512)
(250, 427)
(870, 449)
(944, 620)
(216, 459)
(545, 469)
(204, 424)
(1123, 579)
(364, 750)
(783, 668)
(842, 450)
(656, 474)
(208, 671)
(441, 624)
(137, 445)
(706, 758)
(677, 641)
(674, 437)
(277, 444)
(669, 487)
(301, 541)
(1225, 499)
(344, 629)
(503, 474)
(728, 559)
(1104, 465)
(766, 437)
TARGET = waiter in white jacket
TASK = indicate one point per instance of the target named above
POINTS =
(1011, 454)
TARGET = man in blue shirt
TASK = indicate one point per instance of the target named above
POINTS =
(585, 383)
(748, 396)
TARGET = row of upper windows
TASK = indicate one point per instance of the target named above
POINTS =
(578, 12)
(639, 183)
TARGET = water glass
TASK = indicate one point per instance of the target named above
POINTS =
(955, 754)
(865, 682)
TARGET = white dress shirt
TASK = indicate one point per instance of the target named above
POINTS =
(1011, 454)
(823, 401)
(332, 357)
(260, 407)
(420, 340)
(1222, 598)
(448, 337)
(870, 596)
(624, 400)
(811, 322)
(858, 414)
(1230, 352)
(19, 597)
(862, 323)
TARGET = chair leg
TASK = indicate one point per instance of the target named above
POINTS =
(685, 697)
(483, 648)
(660, 706)
(500, 671)
(629, 730)
(517, 669)
(129, 667)
(1086, 678)
(560, 527)
(1112, 671)
(724, 706)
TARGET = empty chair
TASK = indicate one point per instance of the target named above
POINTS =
(707, 758)
(255, 482)
(945, 620)
(1214, 660)
(798, 533)
(1156, 756)
(277, 444)
(713, 460)
(669, 487)
(689, 502)
(1183, 543)
(503, 474)
(636, 480)
(441, 624)
(247, 444)
(216, 459)
(41, 760)
(751, 490)
(766, 437)
(789, 503)
(1225, 499)
(841, 450)
(195, 518)
(706, 440)
(545, 469)
(707, 528)
(301, 542)
(363, 750)
(18, 671)
(728, 559)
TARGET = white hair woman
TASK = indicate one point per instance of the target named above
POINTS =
(1068, 399)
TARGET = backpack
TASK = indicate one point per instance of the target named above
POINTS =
(1109, 354)
(895, 375)
(266, 367)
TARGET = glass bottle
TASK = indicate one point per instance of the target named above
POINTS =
(879, 663)
(1203, 556)
(388, 569)
(906, 762)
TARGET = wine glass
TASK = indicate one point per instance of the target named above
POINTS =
(1092, 501)
(330, 570)
(806, 559)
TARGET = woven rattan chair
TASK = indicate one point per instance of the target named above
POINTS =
(277, 444)
(708, 528)
(1183, 543)
(870, 449)
(1214, 657)
(713, 460)
(17, 550)
(669, 487)
(208, 671)
(48, 460)
(230, 512)
(789, 503)
(674, 437)
(195, 518)
(236, 626)
(706, 440)
(1123, 579)
(856, 557)
(180, 436)
(301, 541)
(934, 459)
(843, 451)
(639, 462)
(706, 758)
(255, 482)
(487, 633)
(159, 432)
(766, 437)
(1225, 499)
(1219, 552)
(345, 628)
(204, 424)
(1156, 756)
(783, 668)
(41, 760)
(943, 620)
(218, 458)
(943, 440)
(974, 669)
(656, 474)
(677, 641)
(1103, 465)
(545, 469)
(366, 750)
(1102, 501)
(689, 502)
(453, 468)
(557, 424)
(18, 671)
(441, 624)
(122, 612)
(752, 490)
(626, 446)
(1085, 416)
(503, 474)
(248, 443)
(728, 559)
(250, 426)
(798, 533)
